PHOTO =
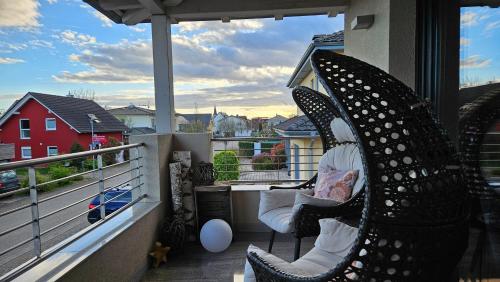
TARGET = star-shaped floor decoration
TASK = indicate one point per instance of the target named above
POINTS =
(159, 253)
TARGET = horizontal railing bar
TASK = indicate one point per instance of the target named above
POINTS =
(273, 181)
(121, 194)
(15, 210)
(84, 199)
(81, 173)
(33, 162)
(120, 173)
(6, 194)
(68, 206)
(66, 178)
(247, 157)
(228, 164)
(16, 228)
(265, 149)
(67, 192)
(76, 216)
(120, 184)
(120, 163)
(124, 207)
(15, 246)
(263, 138)
(263, 170)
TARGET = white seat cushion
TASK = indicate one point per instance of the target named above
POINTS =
(279, 219)
(277, 198)
(317, 261)
(332, 245)
(335, 237)
(341, 131)
(285, 266)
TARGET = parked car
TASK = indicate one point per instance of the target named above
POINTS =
(8, 181)
(115, 202)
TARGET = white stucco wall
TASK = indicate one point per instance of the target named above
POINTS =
(390, 42)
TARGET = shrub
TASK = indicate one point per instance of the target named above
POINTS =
(263, 161)
(246, 148)
(266, 146)
(227, 166)
(87, 164)
(75, 148)
(57, 171)
(279, 155)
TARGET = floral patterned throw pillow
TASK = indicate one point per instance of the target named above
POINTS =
(335, 184)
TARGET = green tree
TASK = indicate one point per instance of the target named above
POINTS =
(110, 158)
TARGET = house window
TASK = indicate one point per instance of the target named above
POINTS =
(24, 127)
(50, 124)
(26, 152)
(52, 151)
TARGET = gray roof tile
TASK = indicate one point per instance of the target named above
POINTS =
(74, 111)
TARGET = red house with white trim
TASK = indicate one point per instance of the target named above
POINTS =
(41, 125)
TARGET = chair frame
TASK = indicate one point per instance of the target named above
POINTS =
(321, 111)
(415, 218)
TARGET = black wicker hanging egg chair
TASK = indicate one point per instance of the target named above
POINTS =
(476, 120)
(414, 224)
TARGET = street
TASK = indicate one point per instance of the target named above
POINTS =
(16, 257)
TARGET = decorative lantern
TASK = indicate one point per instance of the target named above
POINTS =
(204, 174)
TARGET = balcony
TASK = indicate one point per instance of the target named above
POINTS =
(54, 233)
(47, 236)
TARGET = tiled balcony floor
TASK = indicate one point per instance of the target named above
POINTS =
(196, 264)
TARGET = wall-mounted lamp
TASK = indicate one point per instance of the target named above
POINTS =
(362, 22)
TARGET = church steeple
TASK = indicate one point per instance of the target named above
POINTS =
(215, 110)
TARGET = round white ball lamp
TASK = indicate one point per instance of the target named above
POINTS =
(216, 235)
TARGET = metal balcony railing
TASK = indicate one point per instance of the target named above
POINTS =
(43, 211)
(269, 160)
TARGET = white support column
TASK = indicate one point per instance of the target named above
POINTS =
(164, 84)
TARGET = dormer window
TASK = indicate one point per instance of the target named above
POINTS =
(50, 124)
(24, 128)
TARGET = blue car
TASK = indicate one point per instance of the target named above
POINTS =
(115, 202)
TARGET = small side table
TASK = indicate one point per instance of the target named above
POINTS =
(213, 202)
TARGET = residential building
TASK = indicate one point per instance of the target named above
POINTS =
(134, 116)
(305, 145)
(194, 122)
(303, 74)
(226, 125)
(41, 125)
(277, 119)
(258, 124)
(304, 148)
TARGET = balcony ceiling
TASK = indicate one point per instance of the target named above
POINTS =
(131, 12)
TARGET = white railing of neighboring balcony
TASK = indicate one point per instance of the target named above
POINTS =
(134, 180)
(302, 159)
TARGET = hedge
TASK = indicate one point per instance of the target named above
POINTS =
(245, 148)
(227, 166)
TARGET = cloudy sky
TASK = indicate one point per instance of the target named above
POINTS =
(480, 45)
(54, 46)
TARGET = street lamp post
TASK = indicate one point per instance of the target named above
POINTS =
(92, 119)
